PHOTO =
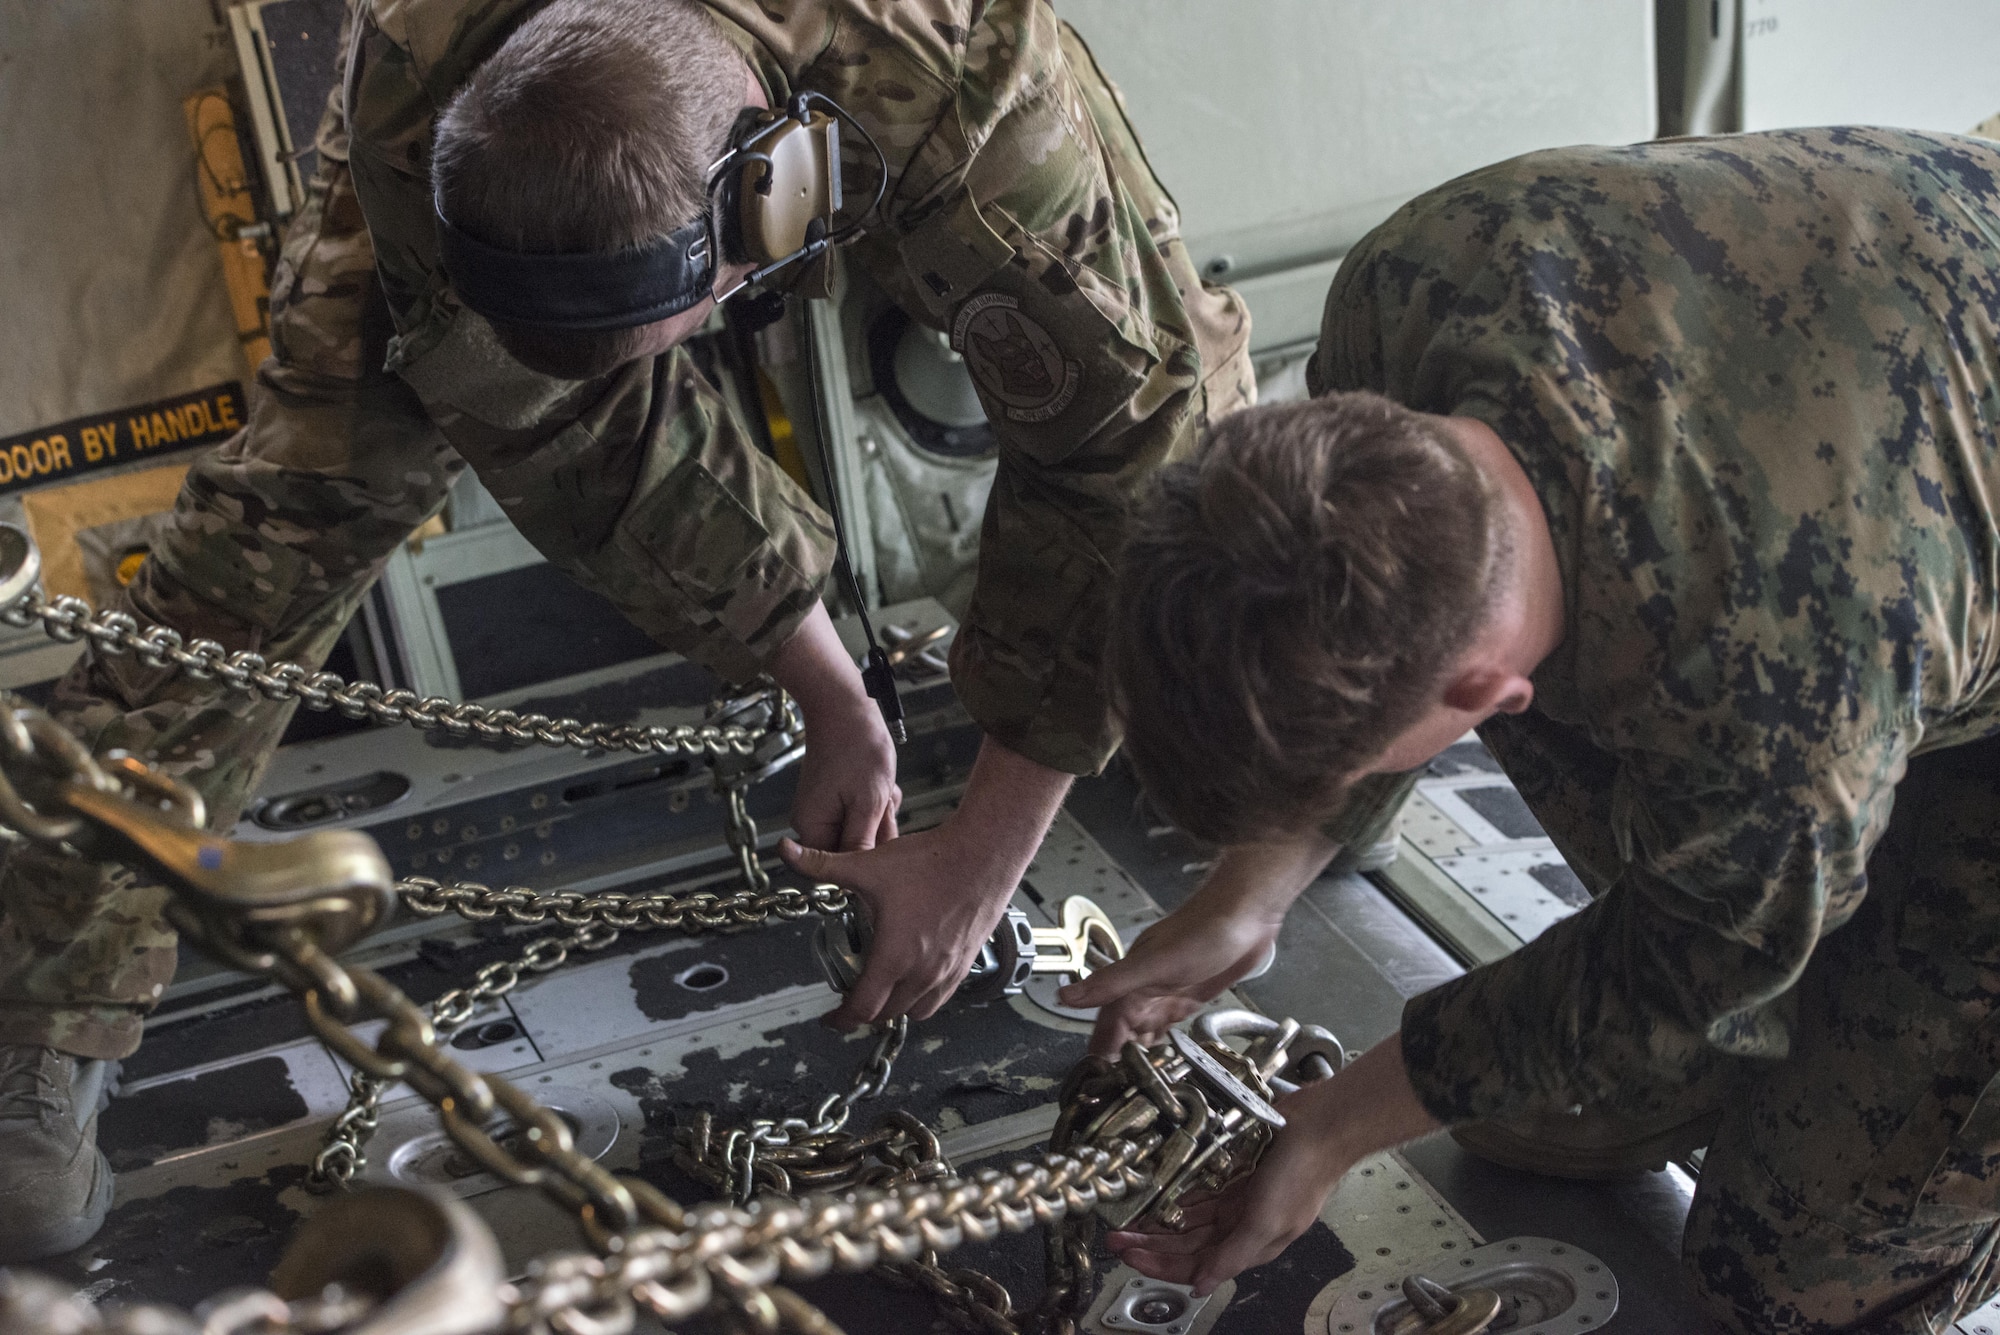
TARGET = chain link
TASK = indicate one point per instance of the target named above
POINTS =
(713, 1252)
(342, 1149)
(693, 913)
(741, 832)
(595, 920)
(71, 619)
(969, 1299)
(789, 1154)
(678, 1263)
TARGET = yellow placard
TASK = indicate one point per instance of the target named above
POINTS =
(58, 515)
(231, 211)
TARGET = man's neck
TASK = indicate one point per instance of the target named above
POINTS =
(1534, 619)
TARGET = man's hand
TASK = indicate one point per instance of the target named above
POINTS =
(1177, 966)
(847, 796)
(1251, 1222)
(934, 897)
(1329, 1127)
(1180, 963)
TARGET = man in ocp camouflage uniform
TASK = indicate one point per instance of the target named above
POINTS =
(1019, 210)
(1685, 489)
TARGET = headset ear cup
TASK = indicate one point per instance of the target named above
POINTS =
(785, 211)
(726, 218)
(785, 186)
(725, 192)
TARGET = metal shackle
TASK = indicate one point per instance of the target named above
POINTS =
(20, 565)
(1308, 1054)
(430, 1264)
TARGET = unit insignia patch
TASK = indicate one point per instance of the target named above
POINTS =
(1013, 358)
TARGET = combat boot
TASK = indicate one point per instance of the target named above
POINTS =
(1590, 1146)
(55, 1184)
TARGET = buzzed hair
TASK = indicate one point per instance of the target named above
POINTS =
(1288, 602)
(590, 129)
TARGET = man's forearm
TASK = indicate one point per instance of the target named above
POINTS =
(1370, 1106)
(1263, 879)
(814, 669)
(1010, 801)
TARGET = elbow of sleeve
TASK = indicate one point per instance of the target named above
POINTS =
(1056, 716)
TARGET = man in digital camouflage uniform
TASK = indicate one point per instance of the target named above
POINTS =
(1020, 216)
(1697, 517)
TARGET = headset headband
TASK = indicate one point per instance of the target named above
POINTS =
(598, 290)
(622, 289)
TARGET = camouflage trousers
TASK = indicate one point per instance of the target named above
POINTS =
(1854, 1185)
(275, 538)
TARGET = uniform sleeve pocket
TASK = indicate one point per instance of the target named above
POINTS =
(696, 535)
(1051, 367)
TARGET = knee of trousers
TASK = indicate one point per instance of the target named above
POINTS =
(1762, 1259)
(82, 945)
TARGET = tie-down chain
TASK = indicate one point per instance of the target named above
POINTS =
(1147, 1129)
(69, 619)
(744, 741)
(594, 922)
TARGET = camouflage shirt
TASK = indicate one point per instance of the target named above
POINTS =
(1755, 383)
(1020, 218)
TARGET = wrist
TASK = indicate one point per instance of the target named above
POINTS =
(992, 857)
(846, 716)
(1008, 805)
(1321, 1110)
(1259, 882)
(1222, 912)
(813, 668)
(1250, 903)
(1323, 1113)
(1009, 799)
(1368, 1107)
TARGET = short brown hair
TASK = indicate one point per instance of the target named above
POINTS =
(1287, 603)
(591, 128)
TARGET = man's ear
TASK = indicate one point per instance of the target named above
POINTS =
(1487, 691)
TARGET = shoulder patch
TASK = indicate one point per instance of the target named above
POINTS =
(1014, 359)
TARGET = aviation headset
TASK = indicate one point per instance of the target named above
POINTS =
(772, 200)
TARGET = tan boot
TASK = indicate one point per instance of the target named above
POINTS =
(55, 1184)
(1589, 1146)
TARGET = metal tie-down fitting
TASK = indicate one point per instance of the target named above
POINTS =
(1443, 1312)
(1523, 1285)
(1084, 940)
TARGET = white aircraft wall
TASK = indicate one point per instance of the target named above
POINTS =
(1286, 129)
(1919, 64)
(108, 272)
